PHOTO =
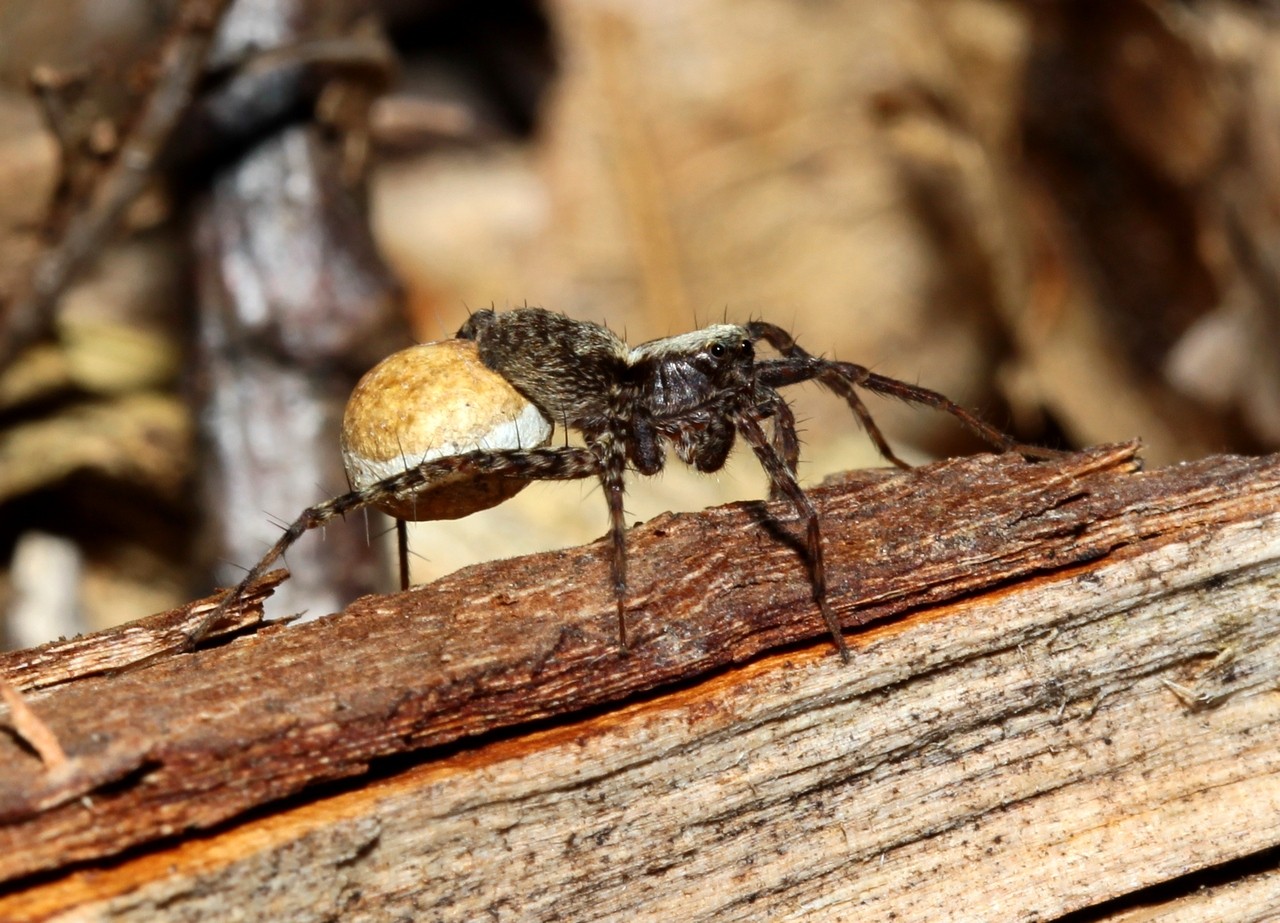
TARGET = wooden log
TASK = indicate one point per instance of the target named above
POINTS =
(1068, 697)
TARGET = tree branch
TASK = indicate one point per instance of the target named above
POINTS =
(30, 312)
(1028, 603)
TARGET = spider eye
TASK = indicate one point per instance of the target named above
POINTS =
(718, 350)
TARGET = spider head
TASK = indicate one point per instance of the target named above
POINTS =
(727, 348)
(687, 371)
(713, 351)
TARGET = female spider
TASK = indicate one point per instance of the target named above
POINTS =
(696, 393)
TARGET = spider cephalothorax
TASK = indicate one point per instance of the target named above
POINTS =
(695, 393)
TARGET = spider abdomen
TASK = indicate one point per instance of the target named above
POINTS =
(568, 369)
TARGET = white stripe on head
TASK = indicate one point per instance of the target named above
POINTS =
(687, 342)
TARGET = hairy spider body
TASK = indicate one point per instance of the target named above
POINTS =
(696, 393)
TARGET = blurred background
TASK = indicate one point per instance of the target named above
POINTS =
(215, 215)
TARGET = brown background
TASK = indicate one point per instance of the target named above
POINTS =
(1061, 214)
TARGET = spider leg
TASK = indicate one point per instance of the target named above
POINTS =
(402, 551)
(612, 454)
(783, 482)
(782, 341)
(556, 464)
(785, 440)
(841, 377)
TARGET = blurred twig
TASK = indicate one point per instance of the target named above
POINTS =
(178, 72)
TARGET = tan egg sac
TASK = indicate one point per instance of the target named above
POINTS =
(432, 401)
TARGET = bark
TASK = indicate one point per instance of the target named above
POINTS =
(1067, 698)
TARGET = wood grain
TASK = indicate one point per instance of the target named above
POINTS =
(1088, 714)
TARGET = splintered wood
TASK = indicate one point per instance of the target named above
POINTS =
(1069, 695)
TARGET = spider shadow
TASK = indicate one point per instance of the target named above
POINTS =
(788, 532)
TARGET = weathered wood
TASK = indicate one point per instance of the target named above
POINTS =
(1100, 719)
(1251, 898)
(126, 646)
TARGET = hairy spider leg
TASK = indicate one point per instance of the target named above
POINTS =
(402, 551)
(783, 482)
(785, 441)
(568, 463)
(611, 451)
(842, 377)
(891, 387)
(783, 342)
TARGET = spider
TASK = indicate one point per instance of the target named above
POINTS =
(696, 393)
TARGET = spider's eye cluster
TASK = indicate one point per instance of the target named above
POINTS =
(722, 349)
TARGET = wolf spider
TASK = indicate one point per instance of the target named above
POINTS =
(696, 392)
